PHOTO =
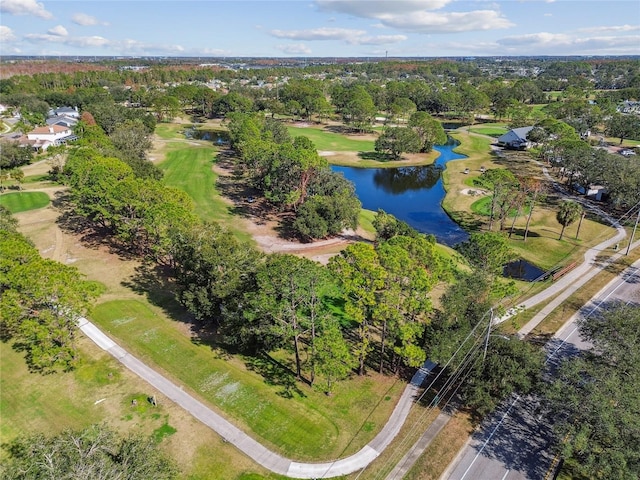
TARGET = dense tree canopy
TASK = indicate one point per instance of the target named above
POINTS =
(94, 453)
(13, 155)
(40, 303)
(595, 399)
(395, 141)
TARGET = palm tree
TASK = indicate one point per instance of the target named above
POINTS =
(569, 212)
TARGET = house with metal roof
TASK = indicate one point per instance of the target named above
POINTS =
(515, 139)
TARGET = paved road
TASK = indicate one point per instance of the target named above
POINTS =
(265, 457)
(514, 442)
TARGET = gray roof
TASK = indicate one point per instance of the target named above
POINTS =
(517, 135)
(63, 120)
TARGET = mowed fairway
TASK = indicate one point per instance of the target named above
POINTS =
(291, 418)
(329, 141)
(23, 201)
(189, 168)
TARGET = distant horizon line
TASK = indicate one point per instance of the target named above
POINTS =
(367, 57)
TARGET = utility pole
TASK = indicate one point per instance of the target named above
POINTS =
(633, 233)
(486, 340)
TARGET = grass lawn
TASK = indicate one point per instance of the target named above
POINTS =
(255, 395)
(101, 390)
(330, 141)
(23, 201)
(168, 131)
(365, 221)
(490, 129)
(443, 449)
(542, 247)
(189, 168)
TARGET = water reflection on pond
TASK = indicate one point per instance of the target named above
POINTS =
(523, 270)
(412, 194)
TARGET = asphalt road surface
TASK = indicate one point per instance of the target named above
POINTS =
(515, 441)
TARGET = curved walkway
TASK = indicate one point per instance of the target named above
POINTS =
(232, 434)
(283, 466)
(575, 278)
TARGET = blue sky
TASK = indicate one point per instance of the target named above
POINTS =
(320, 28)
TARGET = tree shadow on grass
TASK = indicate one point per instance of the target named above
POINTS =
(153, 281)
(91, 235)
(468, 221)
(376, 156)
(346, 130)
(275, 373)
(518, 234)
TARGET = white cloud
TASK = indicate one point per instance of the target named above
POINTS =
(378, 39)
(93, 41)
(545, 43)
(25, 7)
(86, 20)
(431, 22)
(420, 16)
(611, 28)
(294, 49)
(371, 9)
(548, 14)
(542, 38)
(58, 30)
(131, 47)
(352, 37)
(6, 34)
(123, 47)
(323, 33)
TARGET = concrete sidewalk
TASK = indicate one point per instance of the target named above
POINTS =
(232, 434)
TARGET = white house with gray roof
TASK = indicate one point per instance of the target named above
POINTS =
(515, 139)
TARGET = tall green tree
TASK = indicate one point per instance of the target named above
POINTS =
(623, 126)
(357, 107)
(510, 365)
(503, 184)
(428, 129)
(93, 453)
(13, 155)
(287, 306)
(361, 276)
(333, 359)
(331, 206)
(533, 189)
(413, 267)
(398, 140)
(212, 270)
(92, 179)
(594, 400)
(567, 214)
(17, 174)
(40, 304)
(487, 252)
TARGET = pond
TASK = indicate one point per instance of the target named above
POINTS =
(411, 194)
(523, 270)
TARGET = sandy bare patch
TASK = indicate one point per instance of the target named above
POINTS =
(41, 167)
(473, 192)
(326, 153)
(262, 224)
